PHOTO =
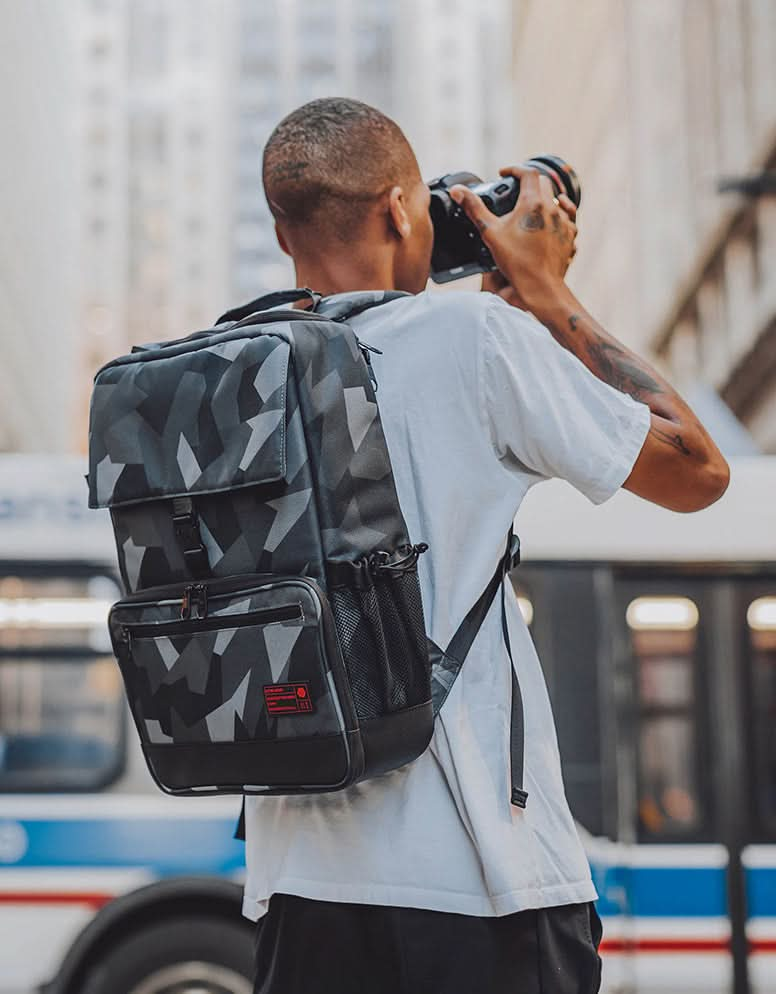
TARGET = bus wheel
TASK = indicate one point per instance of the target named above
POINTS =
(195, 955)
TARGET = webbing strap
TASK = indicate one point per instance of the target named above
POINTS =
(463, 639)
(518, 795)
(461, 643)
(239, 829)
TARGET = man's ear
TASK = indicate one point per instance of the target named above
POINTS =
(282, 240)
(397, 209)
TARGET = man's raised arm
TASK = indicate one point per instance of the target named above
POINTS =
(679, 466)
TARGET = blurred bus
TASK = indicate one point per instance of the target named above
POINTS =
(657, 632)
(107, 886)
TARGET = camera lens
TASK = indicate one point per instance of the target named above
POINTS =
(562, 176)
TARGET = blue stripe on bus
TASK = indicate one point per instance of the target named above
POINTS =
(761, 891)
(661, 891)
(168, 846)
(164, 845)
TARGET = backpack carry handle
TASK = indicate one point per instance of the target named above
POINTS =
(267, 301)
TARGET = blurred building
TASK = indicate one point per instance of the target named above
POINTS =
(157, 142)
(286, 53)
(654, 103)
(452, 94)
(177, 99)
(38, 371)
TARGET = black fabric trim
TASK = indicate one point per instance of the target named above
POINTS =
(394, 739)
(292, 766)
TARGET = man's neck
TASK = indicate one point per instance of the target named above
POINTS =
(340, 276)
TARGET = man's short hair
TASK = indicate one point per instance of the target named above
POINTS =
(326, 161)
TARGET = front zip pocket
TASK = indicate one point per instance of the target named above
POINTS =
(253, 659)
(266, 616)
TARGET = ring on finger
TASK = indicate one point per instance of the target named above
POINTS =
(556, 201)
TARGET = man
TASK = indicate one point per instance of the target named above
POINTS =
(427, 880)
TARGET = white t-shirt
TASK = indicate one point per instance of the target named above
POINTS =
(478, 403)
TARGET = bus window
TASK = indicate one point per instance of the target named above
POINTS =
(526, 608)
(761, 623)
(664, 640)
(61, 699)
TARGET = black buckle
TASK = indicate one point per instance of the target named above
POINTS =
(186, 525)
(519, 797)
(511, 558)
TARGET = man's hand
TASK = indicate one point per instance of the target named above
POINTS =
(533, 245)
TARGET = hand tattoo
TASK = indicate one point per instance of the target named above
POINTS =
(557, 228)
(533, 220)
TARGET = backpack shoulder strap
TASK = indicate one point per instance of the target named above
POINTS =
(337, 307)
(446, 664)
(343, 306)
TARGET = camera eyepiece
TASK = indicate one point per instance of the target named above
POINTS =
(458, 248)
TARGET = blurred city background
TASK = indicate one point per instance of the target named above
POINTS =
(131, 196)
(131, 211)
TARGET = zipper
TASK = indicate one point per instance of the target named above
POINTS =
(195, 595)
(262, 616)
(213, 590)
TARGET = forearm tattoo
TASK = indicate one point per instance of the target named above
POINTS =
(622, 370)
(673, 439)
(610, 362)
(619, 369)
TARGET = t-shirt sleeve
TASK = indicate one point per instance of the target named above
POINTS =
(547, 413)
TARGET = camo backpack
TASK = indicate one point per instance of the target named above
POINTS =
(272, 637)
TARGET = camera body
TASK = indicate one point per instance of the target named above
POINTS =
(458, 248)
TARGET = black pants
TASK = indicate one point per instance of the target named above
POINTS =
(318, 947)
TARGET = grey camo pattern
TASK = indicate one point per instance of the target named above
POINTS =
(197, 422)
(207, 686)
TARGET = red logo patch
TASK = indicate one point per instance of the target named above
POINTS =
(288, 698)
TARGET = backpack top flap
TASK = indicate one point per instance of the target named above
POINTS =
(195, 416)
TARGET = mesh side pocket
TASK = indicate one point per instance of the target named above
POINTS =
(383, 638)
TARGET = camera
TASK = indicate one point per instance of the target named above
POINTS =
(458, 249)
